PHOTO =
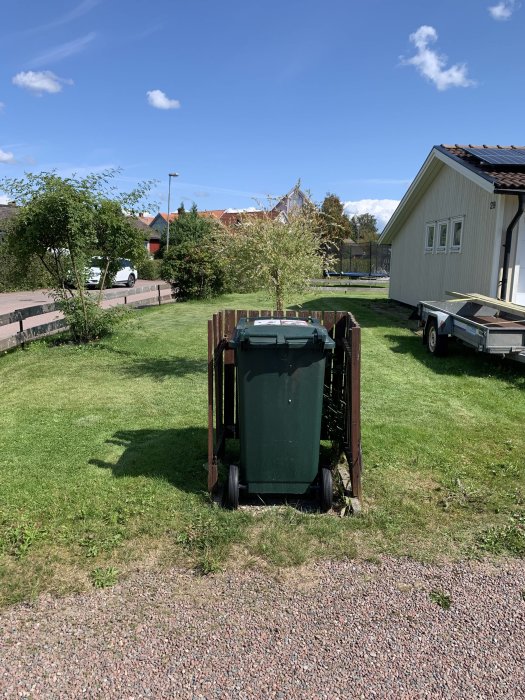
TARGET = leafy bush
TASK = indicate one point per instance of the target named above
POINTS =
(150, 269)
(16, 277)
(88, 321)
(195, 268)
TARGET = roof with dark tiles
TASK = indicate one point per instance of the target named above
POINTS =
(504, 177)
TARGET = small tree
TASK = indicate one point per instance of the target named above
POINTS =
(62, 222)
(193, 262)
(278, 254)
(195, 269)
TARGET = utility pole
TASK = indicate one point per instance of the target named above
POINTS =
(170, 175)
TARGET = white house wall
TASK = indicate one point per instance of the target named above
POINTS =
(416, 275)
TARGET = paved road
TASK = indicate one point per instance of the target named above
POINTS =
(10, 301)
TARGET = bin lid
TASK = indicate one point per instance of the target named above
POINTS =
(269, 332)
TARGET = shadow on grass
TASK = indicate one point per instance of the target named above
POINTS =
(174, 455)
(375, 312)
(460, 360)
(160, 369)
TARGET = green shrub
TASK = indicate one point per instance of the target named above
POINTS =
(14, 277)
(88, 321)
(195, 268)
(150, 269)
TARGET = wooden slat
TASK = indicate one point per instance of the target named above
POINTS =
(329, 322)
(219, 378)
(212, 463)
(338, 383)
(489, 301)
(266, 313)
(355, 409)
(27, 312)
(217, 368)
(229, 375)
(128, 292)
(304, 313)
(290, 313)
(253, 313)
(239, 315)
(34, 333)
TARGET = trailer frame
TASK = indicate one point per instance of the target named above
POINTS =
(488, 325)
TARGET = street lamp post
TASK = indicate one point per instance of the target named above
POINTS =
(170, 175)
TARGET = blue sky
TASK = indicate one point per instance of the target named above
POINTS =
(243, 97)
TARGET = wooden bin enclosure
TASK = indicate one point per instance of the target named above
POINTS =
(342, 391)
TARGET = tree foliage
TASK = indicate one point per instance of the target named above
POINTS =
(116, 237)
(279, 254)
(195, 268)
(364, 228)
(189, 227)
(334, 223)
(63, 222)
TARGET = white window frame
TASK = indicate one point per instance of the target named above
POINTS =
(456, 248)
(441, 248)
(430, 249)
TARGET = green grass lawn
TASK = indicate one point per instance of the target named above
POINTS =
(102, 450)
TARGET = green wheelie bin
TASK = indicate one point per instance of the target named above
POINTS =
(280, 365)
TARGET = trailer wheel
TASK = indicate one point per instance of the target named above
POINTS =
(326, 492)
(436, 344)
(232, 487)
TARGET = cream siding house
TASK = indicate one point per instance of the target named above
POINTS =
(450, 229)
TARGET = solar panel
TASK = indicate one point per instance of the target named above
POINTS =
(499, 156)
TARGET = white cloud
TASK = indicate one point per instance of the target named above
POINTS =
(4, 199)
(40, 81)
(64, 50)
(503, 10)
(160, 100)
(6, 157)
(382, 209)
(2, 107)
(241, 211)
(432, 64)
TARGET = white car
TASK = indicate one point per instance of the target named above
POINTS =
(126, 275)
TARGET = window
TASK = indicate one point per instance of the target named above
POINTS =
(442, 235)
(457, 235)
(430, 238)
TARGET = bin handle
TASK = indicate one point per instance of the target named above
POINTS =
(280, 339)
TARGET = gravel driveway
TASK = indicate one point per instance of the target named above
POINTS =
(332, 630)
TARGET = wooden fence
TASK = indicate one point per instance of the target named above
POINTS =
(161, 294)
(342, 389)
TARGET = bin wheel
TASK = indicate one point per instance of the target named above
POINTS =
(232, 489)
(326, 494)
(436, 344)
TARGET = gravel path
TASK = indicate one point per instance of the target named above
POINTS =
(332, 630)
